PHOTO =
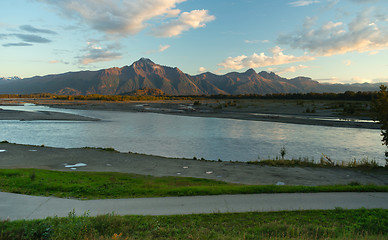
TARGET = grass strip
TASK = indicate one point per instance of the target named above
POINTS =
(315, 224)
(102, 185)
(363, 164)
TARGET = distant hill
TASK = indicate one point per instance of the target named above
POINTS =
(144, 75)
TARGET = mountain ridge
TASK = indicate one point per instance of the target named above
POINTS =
(145, 74)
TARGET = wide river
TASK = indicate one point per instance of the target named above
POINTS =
(188, 137)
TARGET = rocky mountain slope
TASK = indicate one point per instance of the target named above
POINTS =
(145, 74)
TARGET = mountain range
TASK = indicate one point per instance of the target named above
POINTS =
(145, 74)
(3, 79)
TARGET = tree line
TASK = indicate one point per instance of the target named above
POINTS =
(348, 95)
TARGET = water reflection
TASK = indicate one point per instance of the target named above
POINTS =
(343, 119)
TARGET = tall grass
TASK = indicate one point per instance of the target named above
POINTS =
(331, 224)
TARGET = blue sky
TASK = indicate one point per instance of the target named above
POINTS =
(330, 41)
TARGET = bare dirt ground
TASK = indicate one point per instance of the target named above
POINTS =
(23, 156)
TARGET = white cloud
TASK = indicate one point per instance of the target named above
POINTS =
(129, 17)
(57, 61)
(95, 53)
(202, 70)
(331, 25)
(355, 79)
(331, 80)
(348, 62)
(360, 80)
(256, 41)
(302, 3)
(251, 41)
(291, 69)
(361, 35)
(309, 22)
(163, 48)
(330, 4)
(187, 20)
(379, 80)
(261, 60)
(365, 1)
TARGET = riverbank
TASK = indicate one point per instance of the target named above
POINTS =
(95, 160)
(319, 113)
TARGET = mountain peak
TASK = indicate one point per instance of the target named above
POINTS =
(145, 61)
(251, 71)
(269, 75)
(145, 74)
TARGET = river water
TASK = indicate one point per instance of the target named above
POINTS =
(188, 137)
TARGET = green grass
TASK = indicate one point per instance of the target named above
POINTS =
(318, 224)
(94, 185)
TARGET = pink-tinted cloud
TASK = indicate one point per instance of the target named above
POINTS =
(129, 17)
(187, 20)
(262, 60)
(360, 35)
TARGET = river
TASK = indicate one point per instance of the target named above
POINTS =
(188, 137)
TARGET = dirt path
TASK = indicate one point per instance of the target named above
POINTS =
(15, 206)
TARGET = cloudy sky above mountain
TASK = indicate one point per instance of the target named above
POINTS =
(328, 40)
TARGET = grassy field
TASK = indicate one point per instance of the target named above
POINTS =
(330, 224)
(92, 185)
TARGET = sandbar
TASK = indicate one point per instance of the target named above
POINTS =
(259, 110)
(41, 115)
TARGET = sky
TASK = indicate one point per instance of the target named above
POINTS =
(331, 41)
